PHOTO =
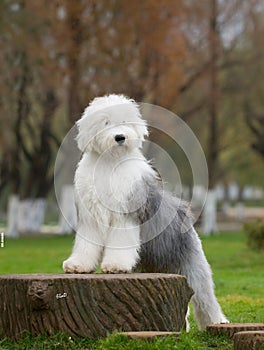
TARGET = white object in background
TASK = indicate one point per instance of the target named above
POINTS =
(31, 214)
(12, 216)
(209, 225)
(68, 220)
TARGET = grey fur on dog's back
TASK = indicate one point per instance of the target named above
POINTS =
(166, 230)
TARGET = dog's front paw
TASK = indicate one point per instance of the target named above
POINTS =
(224, 320)
(72, 265)
(221, 320)
(114, 268)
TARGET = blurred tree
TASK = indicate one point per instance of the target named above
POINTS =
(28, 104)
(255, 122)
(243, 93)
(74, 29)
(253, 87)
(184, 55)
(119, 47)
(216, 36)
(67, 52)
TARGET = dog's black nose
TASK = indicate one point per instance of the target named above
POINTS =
(120, 139)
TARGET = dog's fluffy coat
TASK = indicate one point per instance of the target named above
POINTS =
(126, 221)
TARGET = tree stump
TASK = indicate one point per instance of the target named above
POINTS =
(252, 340)
(230, 329)
(92, 305)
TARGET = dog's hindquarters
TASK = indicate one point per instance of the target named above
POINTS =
(171, 245)
(183, 254)
(195, 267)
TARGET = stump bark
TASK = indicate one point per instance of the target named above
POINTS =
(252, 340)
(92, 305)
(230, 329)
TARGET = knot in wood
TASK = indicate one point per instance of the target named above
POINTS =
(38, 293)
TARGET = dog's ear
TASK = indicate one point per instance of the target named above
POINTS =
(141, 126)
(141, 129)
(83, 135)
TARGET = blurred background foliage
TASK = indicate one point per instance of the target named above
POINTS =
(203, 60)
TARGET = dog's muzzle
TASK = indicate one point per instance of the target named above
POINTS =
(120, 139)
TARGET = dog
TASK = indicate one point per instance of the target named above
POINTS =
(126, 220)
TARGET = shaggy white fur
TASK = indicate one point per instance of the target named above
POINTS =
(125, 219)
(104, 178)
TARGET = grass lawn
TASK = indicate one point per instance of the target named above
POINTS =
(238, 276)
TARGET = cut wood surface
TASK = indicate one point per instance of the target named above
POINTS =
(148, 335)
(92, 305)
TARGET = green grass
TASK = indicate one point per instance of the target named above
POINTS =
(35, 255)
(238, 276)
(188, 341)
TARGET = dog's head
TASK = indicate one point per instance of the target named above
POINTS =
(111, 123)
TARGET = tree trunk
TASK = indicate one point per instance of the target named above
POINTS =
(68, 216)
(74, 11)
(209, 214)
(240, 208)
(213, 151)
(12, 216)
(25, 215)
(92, 305)
(240, 211)
(31, 214)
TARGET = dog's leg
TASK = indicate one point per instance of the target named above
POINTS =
(86, 252)
(187, 323)
(199, 276)
(121, 250)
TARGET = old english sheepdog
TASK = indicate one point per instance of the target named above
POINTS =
(126, 220)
